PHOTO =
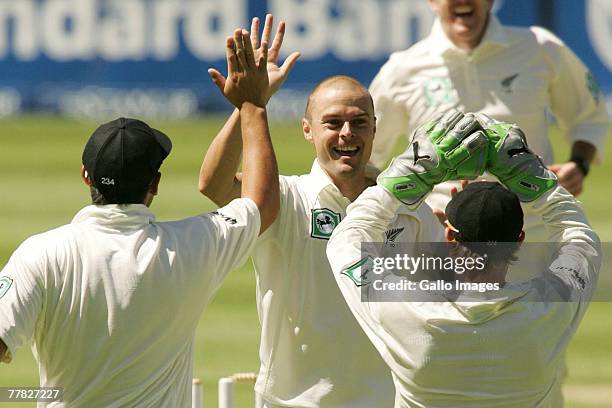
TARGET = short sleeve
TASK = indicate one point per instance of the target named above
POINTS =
(21, 296)
(576, 100)
(237, 226)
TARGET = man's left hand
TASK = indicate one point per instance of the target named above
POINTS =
(570, 176)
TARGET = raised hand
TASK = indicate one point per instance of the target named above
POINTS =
(450, 147)
(247, 77)
(277, 75)
(513, 163)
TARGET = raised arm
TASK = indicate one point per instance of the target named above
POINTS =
(522, 172)
(219, 178)
(246, 88)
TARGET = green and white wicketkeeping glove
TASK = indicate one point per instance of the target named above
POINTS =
(513, 163)
(450, 147)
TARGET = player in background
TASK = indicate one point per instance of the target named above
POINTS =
(312, 351)
(504, 349)
(471, 62)
(112, 300)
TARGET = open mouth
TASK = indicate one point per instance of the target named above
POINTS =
(463, 11)
(349, 151)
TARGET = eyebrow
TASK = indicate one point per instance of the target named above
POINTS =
(336, 115)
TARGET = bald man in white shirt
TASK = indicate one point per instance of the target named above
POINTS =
(312, 352)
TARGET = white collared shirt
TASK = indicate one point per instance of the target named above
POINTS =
(113, 299)
(504, 352)
(313, 353)
(515, 75)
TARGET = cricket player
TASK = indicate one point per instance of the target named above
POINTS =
(504, 349)
(471, 62)
(112, 300)
(312, 351)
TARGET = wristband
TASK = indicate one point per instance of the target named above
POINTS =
(582, 163)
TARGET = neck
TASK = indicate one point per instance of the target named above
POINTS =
(492, 274)
(351, 186)
(470, 44)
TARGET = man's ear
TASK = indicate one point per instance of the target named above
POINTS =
(307, 130)
(154, 186)
(85, 176)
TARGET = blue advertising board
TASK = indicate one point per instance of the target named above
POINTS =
(149, 57)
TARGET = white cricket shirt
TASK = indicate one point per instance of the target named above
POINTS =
(113, 299)
(313, 353)
(515, 75)
(506, 351)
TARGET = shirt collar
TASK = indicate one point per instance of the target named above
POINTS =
(495, 35)
(319, 179)
(115, 215)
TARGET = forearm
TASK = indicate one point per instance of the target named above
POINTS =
(260, 171)
(367, 220)
(218, 180)
(564, 218)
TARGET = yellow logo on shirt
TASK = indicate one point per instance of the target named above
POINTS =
(5, 285)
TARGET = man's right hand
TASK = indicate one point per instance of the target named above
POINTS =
(450, 147)
(247, 77)
(513, 163)
(276, 74)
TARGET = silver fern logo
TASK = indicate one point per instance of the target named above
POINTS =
(392, 234)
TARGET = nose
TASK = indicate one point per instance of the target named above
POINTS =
(346, 130)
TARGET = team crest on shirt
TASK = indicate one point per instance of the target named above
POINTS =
(5, 285)
(360, 271)
(438, 91)
(322, 222)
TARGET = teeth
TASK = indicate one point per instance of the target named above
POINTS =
(464, 9)
(348, 149)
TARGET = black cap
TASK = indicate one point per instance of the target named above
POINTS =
(122, 157)
(485, 212)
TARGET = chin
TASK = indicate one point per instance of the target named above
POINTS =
(346, 170)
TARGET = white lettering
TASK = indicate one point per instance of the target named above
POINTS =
(68, 28)
(408, 22)
(166, 15)
(22, 13)
(118, 30)
(308, 28)
(123, 32)
(356, 33)
(209, 22)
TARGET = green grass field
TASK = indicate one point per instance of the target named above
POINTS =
(40, 188)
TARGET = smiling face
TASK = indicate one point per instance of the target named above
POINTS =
(340, 123)
(463, 21)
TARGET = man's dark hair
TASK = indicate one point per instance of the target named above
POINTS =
(98, 198)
